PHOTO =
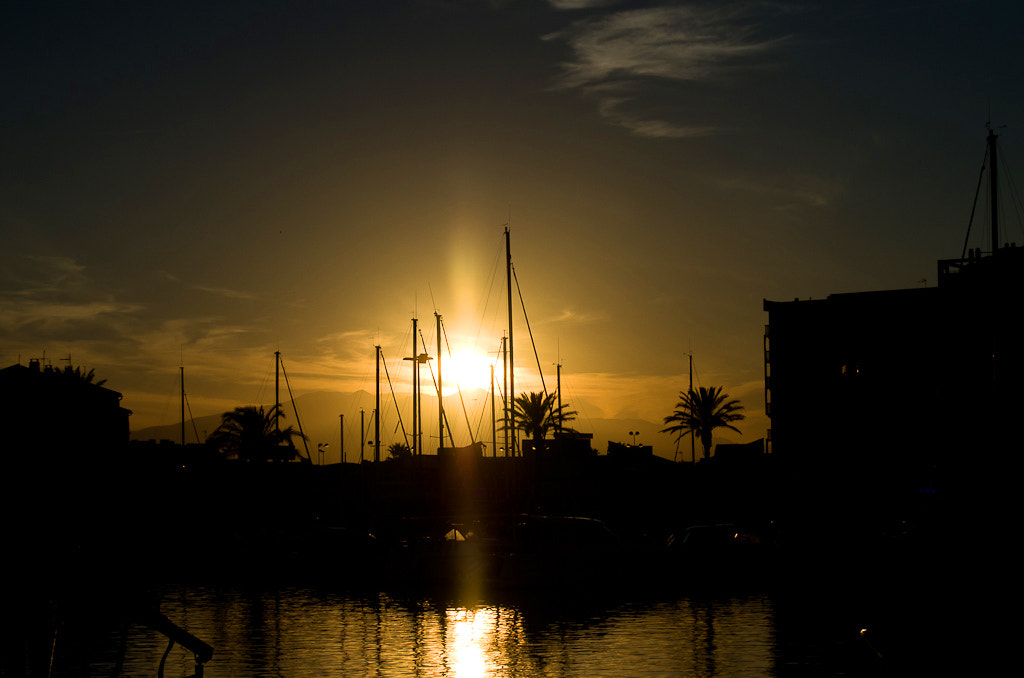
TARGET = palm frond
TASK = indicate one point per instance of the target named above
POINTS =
(699, 412)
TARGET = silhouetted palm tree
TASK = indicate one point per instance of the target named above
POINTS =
(399, 451)
(78, 374)
(251, 433)
(536, 414)
(700, 412)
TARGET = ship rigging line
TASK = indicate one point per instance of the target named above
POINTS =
(462, 401)
(433, 379)
(486, 300)
(392, 388)
(493, 391)
(1014, 198)
(974, 205)
(1014, 195)
(298, 422)
(528, 329)
(192, 418)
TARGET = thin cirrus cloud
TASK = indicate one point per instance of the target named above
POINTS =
(623, 59)
(31, 276)
(579, 4)
(224, 292)
(572, 316)
(50, 293)
(803, 191)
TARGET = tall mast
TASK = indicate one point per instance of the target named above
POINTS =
(994, 179)
(440, 402)
(505, 399)
(510, 394)
(376, 414)
(277, 391)
(182, 372)
(558, 386)
(693, 443)
(494, 430)
(415, 391)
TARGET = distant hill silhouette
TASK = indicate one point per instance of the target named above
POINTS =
(318, 412)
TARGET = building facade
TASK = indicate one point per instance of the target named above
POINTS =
(910, 379)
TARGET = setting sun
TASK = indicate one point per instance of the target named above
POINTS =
(467, 369)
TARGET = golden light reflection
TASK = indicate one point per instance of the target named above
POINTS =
(470, 637)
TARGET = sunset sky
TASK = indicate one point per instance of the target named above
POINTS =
(202, 184)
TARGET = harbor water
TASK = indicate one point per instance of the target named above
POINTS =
(304, 631)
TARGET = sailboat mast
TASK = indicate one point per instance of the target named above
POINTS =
(440, 402)
(510, 394)
(558, 386)
(277, 393)
(994, 179)
(415, 391)
(182, 372)
(376, 415)
(494, 429)
(505, 399)
(693, 443)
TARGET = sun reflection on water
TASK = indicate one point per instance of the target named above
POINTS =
(306, 632)
(470, 636)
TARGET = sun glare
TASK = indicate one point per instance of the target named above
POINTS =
(471, 634)
(466, 369)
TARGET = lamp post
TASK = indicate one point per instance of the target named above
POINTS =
(417, 419)
(320, 450)
(634, 434)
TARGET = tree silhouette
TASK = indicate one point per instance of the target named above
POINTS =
(536, 414)
(399, 451)
(700, 412)
(252, 434)
(77, 374)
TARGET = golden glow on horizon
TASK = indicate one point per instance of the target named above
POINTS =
(467, 369)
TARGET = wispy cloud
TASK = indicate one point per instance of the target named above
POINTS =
(45, 296)
(33, 276)
(19, 315)
(620, 57)
(54, 301)
(224, 292)
(214, 290)
(806, 191)
(579, 4)
(569, 315)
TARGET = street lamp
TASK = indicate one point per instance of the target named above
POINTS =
(320, 449)
(634, 434)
